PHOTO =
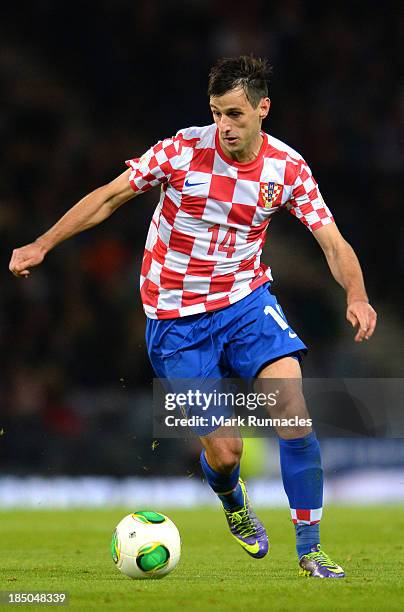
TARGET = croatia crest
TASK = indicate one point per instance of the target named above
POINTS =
(271, 194)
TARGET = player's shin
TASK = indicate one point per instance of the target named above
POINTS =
(302, 476)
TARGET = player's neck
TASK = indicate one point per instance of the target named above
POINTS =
(248, 154)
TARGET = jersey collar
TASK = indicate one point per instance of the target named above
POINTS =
(243, 166)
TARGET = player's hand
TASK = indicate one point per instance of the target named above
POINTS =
(26, 257)
(360, 314)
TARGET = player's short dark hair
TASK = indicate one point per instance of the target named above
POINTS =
(248, 72)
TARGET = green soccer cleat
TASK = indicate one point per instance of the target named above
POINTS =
(317, 564)
(246, 528)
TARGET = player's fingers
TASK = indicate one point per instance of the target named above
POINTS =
(13, 267)
(364, 326)
(15, 263)
(22, 262)
(362, 322)
(19, 267)
(19, 273)
(372, 325)
(352, 318)
(367, 325)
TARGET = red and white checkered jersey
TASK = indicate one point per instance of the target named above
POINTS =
(203, 249)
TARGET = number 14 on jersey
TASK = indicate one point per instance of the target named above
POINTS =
(226, 245)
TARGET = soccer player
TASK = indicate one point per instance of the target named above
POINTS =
(206, 293)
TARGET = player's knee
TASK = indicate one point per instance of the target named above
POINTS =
(290, 407)
(224, 458)
(227, 462)
(294, 412)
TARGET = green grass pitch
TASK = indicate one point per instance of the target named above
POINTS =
(70, 551)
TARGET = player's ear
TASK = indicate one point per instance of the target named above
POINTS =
(264, 105)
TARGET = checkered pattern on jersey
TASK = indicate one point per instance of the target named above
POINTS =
(306, 517)
(206, 237)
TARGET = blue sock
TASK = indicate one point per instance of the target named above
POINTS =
(302, 477)
(306, 537)
(226, 486)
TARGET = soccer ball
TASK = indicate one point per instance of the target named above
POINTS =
(146, 544)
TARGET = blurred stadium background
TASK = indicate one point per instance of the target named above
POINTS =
(86, 86)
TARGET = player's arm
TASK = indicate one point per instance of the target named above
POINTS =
(88, 212)
(346, 270)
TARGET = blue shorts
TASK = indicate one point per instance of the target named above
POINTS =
(236, 341)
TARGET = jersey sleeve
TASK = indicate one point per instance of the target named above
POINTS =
(154, 167)
(306, 202)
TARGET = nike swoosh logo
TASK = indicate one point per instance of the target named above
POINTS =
(292, 335)
(251, 548)
(188, 184)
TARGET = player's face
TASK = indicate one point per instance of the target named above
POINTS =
(239, 124)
